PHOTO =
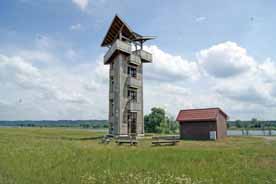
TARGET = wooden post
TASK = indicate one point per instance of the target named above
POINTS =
(120, 35)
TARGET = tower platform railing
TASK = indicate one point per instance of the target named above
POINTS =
(118, 45)
(134, 82)
(146, 57)
(134, 59)
(134, 106)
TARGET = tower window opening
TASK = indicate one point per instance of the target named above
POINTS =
(111, 84)
(132, 71)
(132, 94)
(112, 107)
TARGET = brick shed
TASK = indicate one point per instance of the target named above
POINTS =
(197, 123)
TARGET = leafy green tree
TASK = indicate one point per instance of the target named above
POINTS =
(158, 122)
(163, 128)
(255, 123)
(173, 124)
(153, 120)
(238, 123)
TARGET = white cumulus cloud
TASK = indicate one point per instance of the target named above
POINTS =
(167, 67)
(56, 92)
(79, 90)
(76, 27)
(82, 4)
(225, 60)
(200, 19)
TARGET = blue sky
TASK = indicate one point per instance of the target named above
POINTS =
(212, 45)
(182, 27)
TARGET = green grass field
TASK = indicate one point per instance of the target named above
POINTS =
(56, 156)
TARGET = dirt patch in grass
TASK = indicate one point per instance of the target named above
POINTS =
(270, 138)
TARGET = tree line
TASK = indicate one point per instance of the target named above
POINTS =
(101, 124)
(254, 123)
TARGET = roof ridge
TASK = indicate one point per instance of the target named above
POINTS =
(200, 109)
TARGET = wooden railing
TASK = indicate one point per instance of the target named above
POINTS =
(117, 45)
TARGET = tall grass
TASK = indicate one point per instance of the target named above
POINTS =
(52, 156)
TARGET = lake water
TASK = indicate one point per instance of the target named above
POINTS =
(250, 132)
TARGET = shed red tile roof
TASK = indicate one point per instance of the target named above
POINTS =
(208, 114)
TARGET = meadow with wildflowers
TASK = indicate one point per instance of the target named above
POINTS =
(69, 156)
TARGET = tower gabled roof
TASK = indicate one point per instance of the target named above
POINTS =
(116, 26)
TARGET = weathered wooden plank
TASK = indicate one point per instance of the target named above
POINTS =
(125, 141)
(167, 142)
